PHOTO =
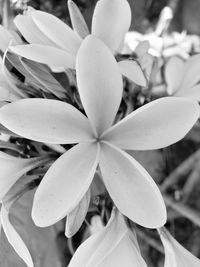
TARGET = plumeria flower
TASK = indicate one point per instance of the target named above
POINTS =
(100, 144)
(54, 43)
(175, 254)
(111, 246)
(183, 77)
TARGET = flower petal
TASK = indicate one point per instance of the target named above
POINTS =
(132, 71)
(191, 93)
(76, 217)
(191, 73)
(111, 246)
(6, 38)
(52, 56)
(131, 187)
(175, 254)
(155, 125)
(11, 169)
(99, 83)
(14, 238)
(65, 184)
(30, 31)
(111, 20)
(57, 31)
(174, 74)
(45, 120)
(77, 20)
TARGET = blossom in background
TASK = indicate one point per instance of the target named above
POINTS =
(153, 126)
(113, 245)
(175, 254)
(183, 77)
(54, 43)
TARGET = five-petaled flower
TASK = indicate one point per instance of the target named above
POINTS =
(100, 144)
(54, 43)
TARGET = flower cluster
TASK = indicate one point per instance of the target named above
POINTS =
(98, 140)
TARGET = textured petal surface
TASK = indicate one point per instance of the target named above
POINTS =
(78, 22)
(57, 31)
(46, 120)
(174, 74)
(14, 238)
(65, 184)
(175, 254)
(52, 56)
(99, 83)
(111, 20)
(155, 125)
(132, 71)
(131, 187)
(111, 246)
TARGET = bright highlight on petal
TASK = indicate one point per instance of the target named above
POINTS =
(150, 127)
(111, 246)
(14, 238)
(132, 71)
(57, 31)
(52, 56)
(111, 20)
(99, 83)
(131, 188)
(65, 184)
(175, 254)
(45, 120)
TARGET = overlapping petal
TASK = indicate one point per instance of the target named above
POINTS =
(111, 20)
(46, 120)
(52, 56)
(133, 71)
(7, 37)
(78, 22)
(130, 186)
(111, 246)
(99, 83)
(65, 184)
(151, 126)
(175, 254)
(57, 31)
(192, 93)
(11, 169)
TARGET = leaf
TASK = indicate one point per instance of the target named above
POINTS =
(76, 217)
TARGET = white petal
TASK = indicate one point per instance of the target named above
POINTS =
(175, 254)
(191, 73)
(14, 238)
(99, 83)
(57, 31)
(142, 48)
(77, 20)
(77, 216)
(11, 169)
(174, 74)
(191, 92)
(52, 56)
(30, 31)
(131, 187)
(111, 246)
(111, 21)
(155, 125)
(132, 70)
(65, 184)
(45, 120)
(6, 37)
